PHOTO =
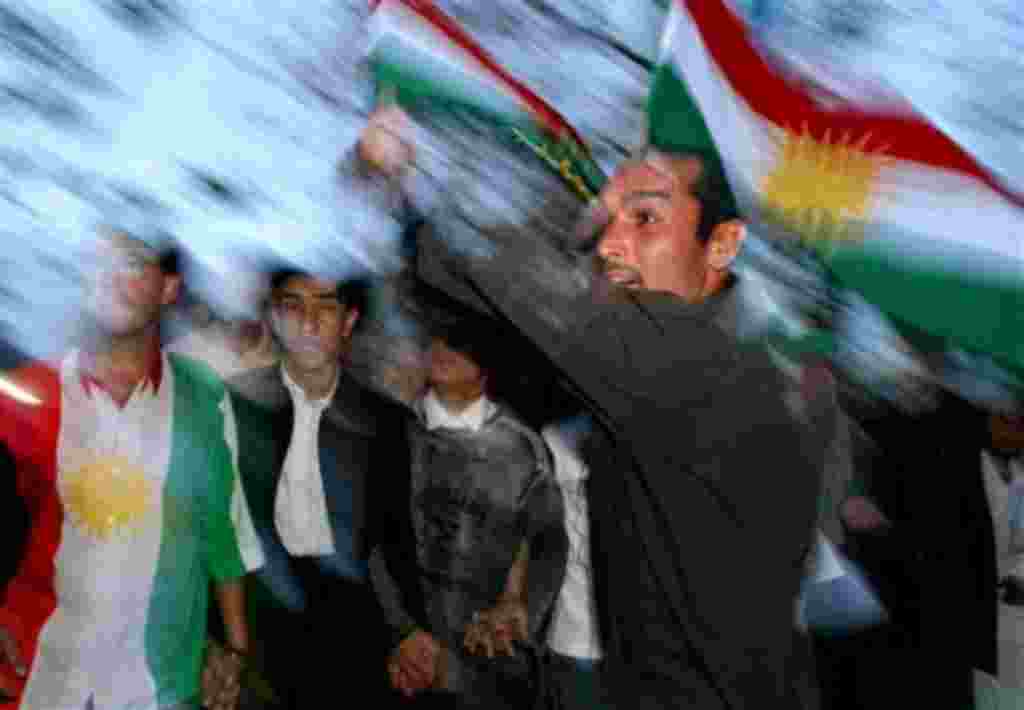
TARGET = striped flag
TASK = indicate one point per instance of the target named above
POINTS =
(896, 210)
(428, 59)
(127, 535)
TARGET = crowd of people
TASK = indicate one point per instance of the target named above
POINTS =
(248, 517)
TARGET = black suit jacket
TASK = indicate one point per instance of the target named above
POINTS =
(362, 448)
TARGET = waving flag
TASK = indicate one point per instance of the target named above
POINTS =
(429, 59)
(892, 207)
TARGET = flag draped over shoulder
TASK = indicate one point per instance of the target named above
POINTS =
(894, 209)
(429, 60)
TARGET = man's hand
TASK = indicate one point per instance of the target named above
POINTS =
(862, 515)
(495, 630)
(222, 678)
(413, 665)
(385, 145)
(10, 655)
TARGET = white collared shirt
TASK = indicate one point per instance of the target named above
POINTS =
(300, 510)
(472, 418)
(1006, 502)
(573, 630)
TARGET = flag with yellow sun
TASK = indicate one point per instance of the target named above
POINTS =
(888, 204)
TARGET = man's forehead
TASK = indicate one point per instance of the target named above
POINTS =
(302, 284)
(123, 244)
(654, 174)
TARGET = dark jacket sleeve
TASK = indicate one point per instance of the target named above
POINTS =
(390, 538)
(548, 542)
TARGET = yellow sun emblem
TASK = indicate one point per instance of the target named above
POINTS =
(821, 190)
(110, 496)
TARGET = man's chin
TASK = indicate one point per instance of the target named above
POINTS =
(115, 326)
(309, 360)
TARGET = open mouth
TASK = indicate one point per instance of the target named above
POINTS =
(623, 277)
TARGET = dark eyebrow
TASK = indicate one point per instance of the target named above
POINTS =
(646, 195)
(322, 296)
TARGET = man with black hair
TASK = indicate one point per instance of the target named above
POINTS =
(313, 445)
(697, 558)
(124, 459)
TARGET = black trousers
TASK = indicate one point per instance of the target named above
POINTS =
(333, 652)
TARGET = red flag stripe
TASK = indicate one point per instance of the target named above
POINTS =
(547, 116)
(31, 435)
(768, 94)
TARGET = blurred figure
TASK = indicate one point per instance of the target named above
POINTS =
(1002, 464)
(228, 328)
(467, 597)
(921, 528)
(695, 577)
(13, 518)
(313, 445)
(573, 639)
(123, 454)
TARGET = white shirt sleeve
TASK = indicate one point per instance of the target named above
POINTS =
(245, 532)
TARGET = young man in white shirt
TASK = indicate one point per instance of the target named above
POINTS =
(123, 458)
(313, 443)
(484, 508)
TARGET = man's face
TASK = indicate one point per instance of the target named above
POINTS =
(650, 241)
(127, 288)
(448, 366)
(312, 325)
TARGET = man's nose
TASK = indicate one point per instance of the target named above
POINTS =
(615, 244)
(309, 322)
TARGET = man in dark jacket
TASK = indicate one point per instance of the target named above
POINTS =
(490, 547)
(313, 444)
(705, 482)
(923, 531)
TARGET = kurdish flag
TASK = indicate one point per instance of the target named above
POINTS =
(428, 59)
(134, 512)
(894, 209)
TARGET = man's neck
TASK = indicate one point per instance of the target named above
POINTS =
(121, 362)
(316, 384)
(458, 398)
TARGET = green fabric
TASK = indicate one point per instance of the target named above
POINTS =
(199, 543)
(675, 123)
(949, 300)
(418, 86)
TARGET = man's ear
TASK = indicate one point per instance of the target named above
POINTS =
(725, 243)
(172, 288)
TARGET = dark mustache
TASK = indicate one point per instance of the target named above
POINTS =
(605, 266)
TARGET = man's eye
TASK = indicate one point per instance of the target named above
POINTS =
(645, 217)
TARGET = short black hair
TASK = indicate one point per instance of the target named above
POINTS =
(350, 292)
(711, 188)
(170, 261)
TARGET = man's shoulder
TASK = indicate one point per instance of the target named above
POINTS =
(365, 409)
(262, 386)
(29, 376)
(197, 372)
(517, 432)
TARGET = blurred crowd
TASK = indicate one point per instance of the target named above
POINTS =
(524, 456)
(567, 476)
